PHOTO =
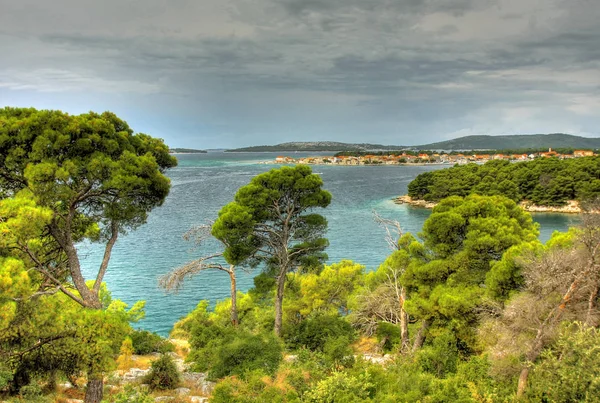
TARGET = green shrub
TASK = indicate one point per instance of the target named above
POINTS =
(341, 387)
(256, 387)
(163, 374)
(441, 357)
(388, 335)
(5, 379)
(31, 392)
(145, 342)
(132, 395)
(338, 352)
(314, 332)
(568, 372)
(246, 352)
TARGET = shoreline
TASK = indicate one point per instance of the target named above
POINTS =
(353, 165)
(572, 206)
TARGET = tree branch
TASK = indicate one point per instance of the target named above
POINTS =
(114, 227)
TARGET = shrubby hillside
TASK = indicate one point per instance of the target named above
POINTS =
(474, 309)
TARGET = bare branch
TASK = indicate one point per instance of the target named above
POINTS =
(392, 228)
(173, 281)
(199, 234)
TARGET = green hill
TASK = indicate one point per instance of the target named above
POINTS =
(535, 141)
(317, 146)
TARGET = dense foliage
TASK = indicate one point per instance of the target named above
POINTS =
(472, 309)
(145, 342)
(543, 181)
(66, 179)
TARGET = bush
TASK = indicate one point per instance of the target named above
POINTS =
(341, 387)
(441, 357)
(31, 392)
(257, 387)
(145, 342)
(132, 395)
(338, 352)
(5, 378)
(246, 352)
(314, 332)
(163, 374)
(388, 335)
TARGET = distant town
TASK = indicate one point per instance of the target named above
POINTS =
(425, 158)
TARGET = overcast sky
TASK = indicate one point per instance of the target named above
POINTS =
(227, 73)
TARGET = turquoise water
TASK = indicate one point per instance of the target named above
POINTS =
(203, 183)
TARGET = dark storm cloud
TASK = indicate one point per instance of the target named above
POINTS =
(265, 71)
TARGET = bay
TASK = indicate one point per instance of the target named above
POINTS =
(203, 183)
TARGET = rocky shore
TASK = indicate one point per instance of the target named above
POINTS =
(572, 206)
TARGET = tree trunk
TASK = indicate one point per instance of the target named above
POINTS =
(420, 337)
(279, 302)
(404, 337)
(522, 382)
(234, 312)
(94, 391)
(591, 318)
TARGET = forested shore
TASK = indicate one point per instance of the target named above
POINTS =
(473, 308)
(542, 182)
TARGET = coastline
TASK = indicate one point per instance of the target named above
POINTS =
(352, 165)
(572, 206)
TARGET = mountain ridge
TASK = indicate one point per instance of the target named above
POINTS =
(474, 142)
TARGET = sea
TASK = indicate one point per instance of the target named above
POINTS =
(203, 183)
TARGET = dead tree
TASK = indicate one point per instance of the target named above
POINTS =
(393, 285)
(174, 280)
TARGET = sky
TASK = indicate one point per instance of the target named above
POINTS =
(232, 73)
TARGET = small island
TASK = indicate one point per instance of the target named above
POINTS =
(186, 151)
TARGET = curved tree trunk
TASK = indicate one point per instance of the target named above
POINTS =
(94, 391)
(234, 312)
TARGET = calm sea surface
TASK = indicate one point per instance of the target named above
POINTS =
(203, 183)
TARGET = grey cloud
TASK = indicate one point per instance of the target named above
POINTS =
(333, 69)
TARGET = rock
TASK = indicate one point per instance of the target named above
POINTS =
(66, 385)
(406, 199)
(182, 391)
(73, 401)
(195, 378)
(198, 399)
(163, 398)
(198, 380)
(290, 358)
(377, 359)
(135, 374)
(207, 387)
(180, 364)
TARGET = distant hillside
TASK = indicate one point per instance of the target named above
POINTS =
(317, 146)
(186, 151)
(535, 141)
